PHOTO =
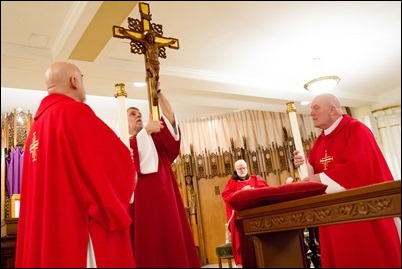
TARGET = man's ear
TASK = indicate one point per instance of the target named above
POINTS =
(74, 82)
(331, 110)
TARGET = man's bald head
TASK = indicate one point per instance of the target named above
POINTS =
(328, 99)
(65, 78)
(325, 110)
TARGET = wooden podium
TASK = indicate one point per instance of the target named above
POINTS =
(271, 236)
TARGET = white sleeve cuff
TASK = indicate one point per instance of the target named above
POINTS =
(332, 185)
(147, 153)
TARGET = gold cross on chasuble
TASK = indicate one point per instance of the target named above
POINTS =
(147, 38)
(34, 147)
(325, 160)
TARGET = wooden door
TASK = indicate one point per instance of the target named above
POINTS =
(213, 216)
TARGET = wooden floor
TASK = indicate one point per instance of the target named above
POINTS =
(224, 265)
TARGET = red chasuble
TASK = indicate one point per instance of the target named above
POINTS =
(232, 187)
(162, 235)
(77, 181)
(350, 156)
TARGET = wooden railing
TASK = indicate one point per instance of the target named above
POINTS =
(272, 235)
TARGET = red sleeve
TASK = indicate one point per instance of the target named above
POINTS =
(229, 190)
(165, 142)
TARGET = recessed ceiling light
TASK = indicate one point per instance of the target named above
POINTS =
(139, 84)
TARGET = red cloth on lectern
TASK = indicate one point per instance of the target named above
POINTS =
(78, 187)
(162, 233)
(358, 162)
(275, 194)
(232, 187)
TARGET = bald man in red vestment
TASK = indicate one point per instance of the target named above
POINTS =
(346, 156)
(77, 182)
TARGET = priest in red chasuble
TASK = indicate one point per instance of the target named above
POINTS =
(77, 182)
(162, 237)
(240, 180)
(346, 156)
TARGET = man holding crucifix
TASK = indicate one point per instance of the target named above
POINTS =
(161, 233)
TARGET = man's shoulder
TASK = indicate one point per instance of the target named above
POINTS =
(254, 176)
(350, 123)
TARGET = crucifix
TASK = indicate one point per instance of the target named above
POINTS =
(147, 38)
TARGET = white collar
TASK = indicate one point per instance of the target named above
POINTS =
(333, 126)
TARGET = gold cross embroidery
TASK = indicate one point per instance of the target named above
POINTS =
(324, 161)
(147, 39)
(34, 147)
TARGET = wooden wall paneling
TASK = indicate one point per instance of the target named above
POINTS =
(267, 163)
(253, 164)
(276, 163)
(202, 177)
(194, 212)
(228, 164)
(187, 163)
(221, 166)
(200, 166)
(213, 214)
(239, 154)
(197, 217)
(207, 163)
(213, 163)
(260, 155)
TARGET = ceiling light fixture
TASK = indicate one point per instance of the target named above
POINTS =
(321, 84)
(139, 84)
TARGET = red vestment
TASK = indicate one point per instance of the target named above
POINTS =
(162, 235)
(350, 156)
(77, 182)
(232, 187)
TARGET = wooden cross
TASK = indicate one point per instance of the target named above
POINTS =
(324, 161)
(147, 38)
(34, 147)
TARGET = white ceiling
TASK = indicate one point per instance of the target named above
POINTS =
(232, 55)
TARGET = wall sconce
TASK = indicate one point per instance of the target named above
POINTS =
(322, 84)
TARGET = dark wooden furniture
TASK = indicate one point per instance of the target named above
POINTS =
(8, 242)
(272, 236)
(8, 251)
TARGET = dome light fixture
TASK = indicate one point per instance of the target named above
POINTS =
(322, 84)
